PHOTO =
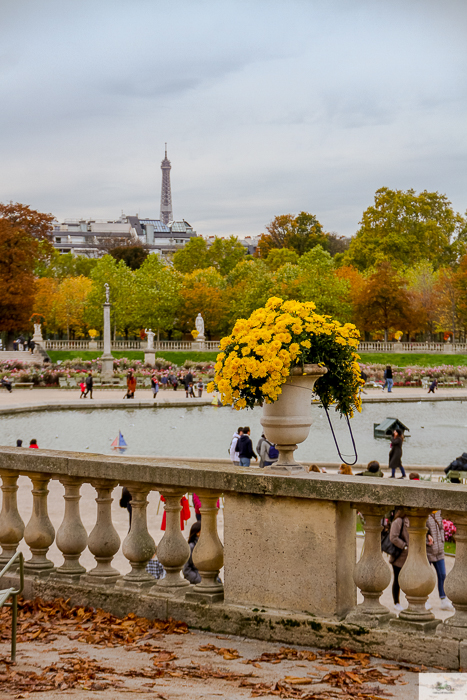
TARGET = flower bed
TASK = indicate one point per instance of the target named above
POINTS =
(49, 374)
(449, 530)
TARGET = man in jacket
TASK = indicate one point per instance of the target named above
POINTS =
(233, 450)
(245, 448)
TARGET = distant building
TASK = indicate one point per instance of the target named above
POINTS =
(249, 242)
(94, 237)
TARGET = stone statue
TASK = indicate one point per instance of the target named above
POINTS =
(37, 337)
(37, 329)
(150, 335)
(199, 323)
(107, 293)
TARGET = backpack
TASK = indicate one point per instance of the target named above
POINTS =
(386, 544)
(273, 452)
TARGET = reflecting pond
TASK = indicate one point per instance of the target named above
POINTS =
(438, 431)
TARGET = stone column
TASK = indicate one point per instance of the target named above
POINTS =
(208, 555)
(371, 574)
(107, 358)
(11, 523)
(72, 537)
(138, 546)
(103, 541)
(417, 578)
(173, 549)
(456, 582)
(39, 533)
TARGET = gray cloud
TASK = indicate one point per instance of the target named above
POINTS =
(267, 107)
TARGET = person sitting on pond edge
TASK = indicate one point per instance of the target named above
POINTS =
(373, 469)
(33, 444)
(190, 572)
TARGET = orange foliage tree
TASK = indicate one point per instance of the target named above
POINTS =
(24, 238)
(203, 292)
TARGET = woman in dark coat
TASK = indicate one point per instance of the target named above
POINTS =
(399, 536)
(395, 454)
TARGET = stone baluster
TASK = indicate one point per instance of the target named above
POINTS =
(208, 555)
(417, 578)
(103, 542)
(39, 533)
(72, 537)
(173, 549)
(456, 582)
(138, 546)
(11, 523)
(371, 574)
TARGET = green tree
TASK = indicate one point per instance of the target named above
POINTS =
(61, 265)
(132, 255)
(317, 281)
(122, 296)
(194, 256)
(203, 292)
(300, 233)
(157, 295)
(405, 228)
(225, 253)
(280, 256)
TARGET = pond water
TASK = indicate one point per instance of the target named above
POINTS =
(438, 431)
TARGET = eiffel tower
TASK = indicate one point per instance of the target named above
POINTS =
(166, 194)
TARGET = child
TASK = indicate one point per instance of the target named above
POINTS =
(82, 386)
(191, 391)
(200, 388)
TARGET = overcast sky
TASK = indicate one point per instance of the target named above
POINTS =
(268, 107)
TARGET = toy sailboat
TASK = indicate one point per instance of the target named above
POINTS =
(119, 443)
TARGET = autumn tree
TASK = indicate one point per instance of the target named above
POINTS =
(45, 302)
(70, 305)
(300, 233)
(277, 257)
(405, 228)
(383, 303)
(422, 287)
(24, 238)
(203, 292)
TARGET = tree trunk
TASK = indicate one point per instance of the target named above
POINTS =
(10, 337)
(385, 335)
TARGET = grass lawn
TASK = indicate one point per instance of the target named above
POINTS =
(406, 359)
(177, 358)
(450, 547)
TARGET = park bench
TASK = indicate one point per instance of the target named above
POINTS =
(11, 593)
(22, 385)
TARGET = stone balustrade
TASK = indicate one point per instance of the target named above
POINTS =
(288, 557)
(168, 345)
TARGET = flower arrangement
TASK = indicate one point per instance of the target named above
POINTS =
(194, 334)
(93, 333)
(257, 357)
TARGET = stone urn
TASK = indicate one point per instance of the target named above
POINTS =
(287, 421)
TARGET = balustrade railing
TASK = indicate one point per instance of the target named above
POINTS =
(435, 348)
(169, 345)
(305, 526)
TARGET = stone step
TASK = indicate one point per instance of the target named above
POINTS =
(20, 356)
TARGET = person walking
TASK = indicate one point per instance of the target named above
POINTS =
(131, 385)
(233, 449)
(433, 386)
(245, 448)
(164, 380)
(200, 387)
(395, 454)
(399, 536)
(82, 386)
(154, 386)
(89, 385)
(435, 554)
(388, 379)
